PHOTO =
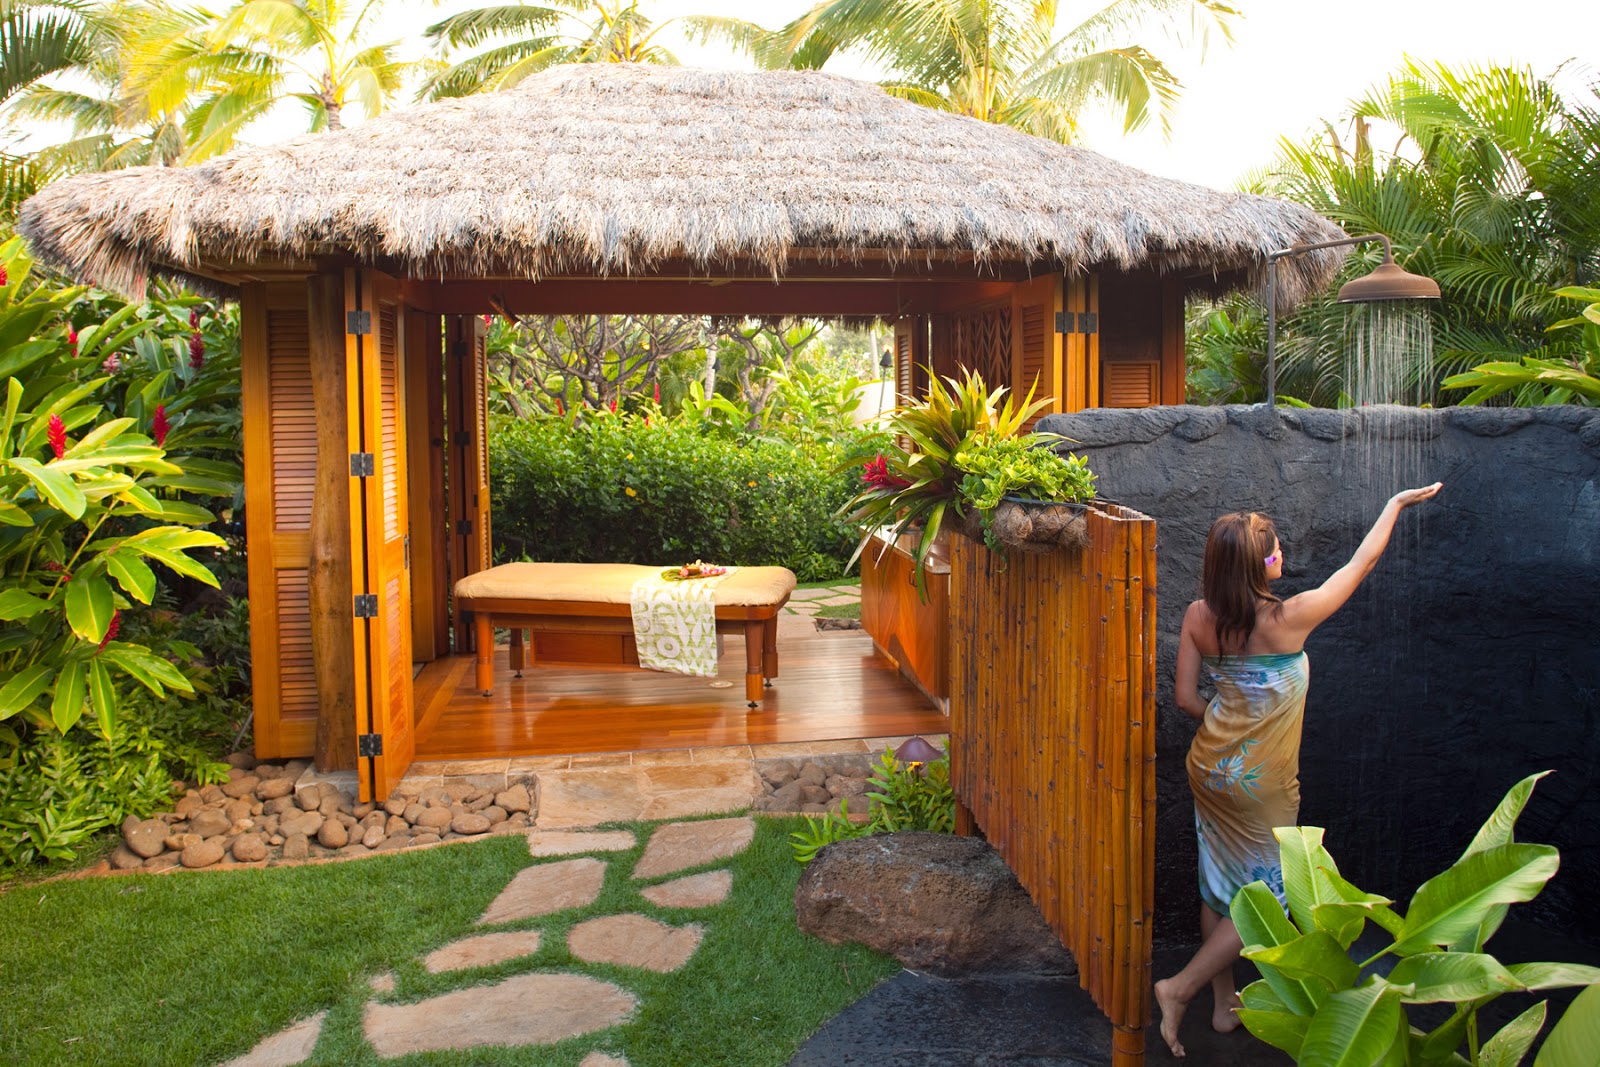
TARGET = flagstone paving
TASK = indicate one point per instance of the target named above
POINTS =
(678, 846)
(692, 891)
(570, 842)
(634, 941)
(810, 601)
(546, 1007)
(485, 950)
(585, 796)
(284, 1048)
(527, 1009)
(546, 888)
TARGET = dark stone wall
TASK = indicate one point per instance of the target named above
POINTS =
(1469, 659)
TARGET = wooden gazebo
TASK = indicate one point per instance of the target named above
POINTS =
(364, 259)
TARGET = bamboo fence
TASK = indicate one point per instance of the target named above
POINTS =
(1052, 742)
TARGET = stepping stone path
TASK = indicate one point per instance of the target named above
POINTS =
(286, 1047)
(546, 888)
(529, 1009)
(695, 891)
(678, 846)
(634, 941)
(483, 951)
(545, 1007)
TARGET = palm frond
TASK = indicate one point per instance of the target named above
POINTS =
(469, 29)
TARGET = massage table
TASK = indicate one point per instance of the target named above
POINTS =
(596, 598)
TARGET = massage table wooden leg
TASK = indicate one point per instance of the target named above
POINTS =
(483, 634)
(516, 650)
(753, 641)
(769, 649)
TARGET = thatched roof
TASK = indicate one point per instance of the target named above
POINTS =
(608, 170)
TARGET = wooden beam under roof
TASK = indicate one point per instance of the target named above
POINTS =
(619, 296)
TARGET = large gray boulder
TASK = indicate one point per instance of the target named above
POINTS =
(937, 903)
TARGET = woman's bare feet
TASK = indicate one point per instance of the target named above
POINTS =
(1223, 1019)
(1172, 1008)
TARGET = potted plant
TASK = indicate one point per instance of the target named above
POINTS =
(1029, 496)
(961, 452)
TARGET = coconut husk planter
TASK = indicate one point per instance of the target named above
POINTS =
(1032, 526)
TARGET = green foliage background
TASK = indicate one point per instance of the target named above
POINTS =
(632, 489)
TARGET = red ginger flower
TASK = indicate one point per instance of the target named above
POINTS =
(658, 392)
(4, 278)
(72, 339)
(560, 408)
(875, 472)
(159, 426)
(111, 630)
(58, 436)
(194, 318)
(197, 351)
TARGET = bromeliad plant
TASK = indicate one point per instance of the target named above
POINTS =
(1320, 1006)
(964, 452)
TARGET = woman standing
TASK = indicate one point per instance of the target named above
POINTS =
(1244, 763)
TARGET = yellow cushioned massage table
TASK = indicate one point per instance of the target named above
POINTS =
(596, 598)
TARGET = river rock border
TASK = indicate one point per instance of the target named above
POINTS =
(815, 785)
(268, 813)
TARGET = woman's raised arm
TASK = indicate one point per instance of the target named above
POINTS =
(1306, 611)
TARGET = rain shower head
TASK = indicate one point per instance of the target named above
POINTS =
(1388, 282)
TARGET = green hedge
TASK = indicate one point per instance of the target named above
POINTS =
(619, 489)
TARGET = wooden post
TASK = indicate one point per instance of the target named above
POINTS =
(329, 580)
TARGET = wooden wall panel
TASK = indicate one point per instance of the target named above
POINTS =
(280, 450)
(1052, 742)
(913, 632)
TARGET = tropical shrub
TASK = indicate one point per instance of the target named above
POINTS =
(636, 489)
(1320, 1006)
(911, 796)
(1543, 377)
(88, 505)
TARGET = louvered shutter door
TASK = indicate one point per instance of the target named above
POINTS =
(280, 461)
(379, 533)
(1037, 346)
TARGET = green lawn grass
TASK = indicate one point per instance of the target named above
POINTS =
(197, 968)
(840, 611)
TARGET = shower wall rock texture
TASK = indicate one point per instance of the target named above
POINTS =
(1469, 659)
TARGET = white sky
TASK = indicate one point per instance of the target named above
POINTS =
(1292, 63)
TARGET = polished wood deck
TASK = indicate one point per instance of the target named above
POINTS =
(831, 686)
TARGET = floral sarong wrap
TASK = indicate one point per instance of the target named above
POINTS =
(1244, 770)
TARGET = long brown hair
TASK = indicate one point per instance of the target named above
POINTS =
(1234, 580)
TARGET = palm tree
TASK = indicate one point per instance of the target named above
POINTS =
(119, 120)
(530, 38)
(1492, 188)
(37, 39)
(260, 53)
(998, 60)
